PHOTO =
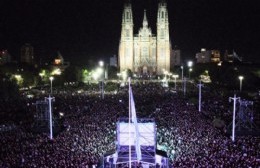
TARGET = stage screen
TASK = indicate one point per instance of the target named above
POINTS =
(146, 134)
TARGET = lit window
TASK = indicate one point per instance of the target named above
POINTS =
(57, 61)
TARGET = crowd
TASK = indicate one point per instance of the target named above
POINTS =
(89, 122)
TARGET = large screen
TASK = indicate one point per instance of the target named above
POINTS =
(126, 134)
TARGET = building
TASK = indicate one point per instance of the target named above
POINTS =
(59, 60)
(231, 57)
(207, 56)
(215, 56)
(27, 54)
(113, 61)
(204, 56)
(145, 53)
(58, 65)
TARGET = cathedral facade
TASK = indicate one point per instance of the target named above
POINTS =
(145, 53)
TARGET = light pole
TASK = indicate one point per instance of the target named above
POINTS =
(190, 69)
(182, 73)
(189, 64)
(182, 77)
(184, 87)
(200, 85)
(101, 64)
(50, 114)
(175, 77)
(234, 115)
(240, 79)
(51, 79)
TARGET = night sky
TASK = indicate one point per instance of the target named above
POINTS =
(84, 29)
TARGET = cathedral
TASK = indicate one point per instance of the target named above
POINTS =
(145, 53)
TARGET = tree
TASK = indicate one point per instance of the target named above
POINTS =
(9, 89)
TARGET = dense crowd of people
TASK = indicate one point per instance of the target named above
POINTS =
(89, 123)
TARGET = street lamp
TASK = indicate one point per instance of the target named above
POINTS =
(51, 79)
(200, 85)
(189, 63)
(190, 69)
(101, 63)
(241, 79)
(181, 73)
(184, 87)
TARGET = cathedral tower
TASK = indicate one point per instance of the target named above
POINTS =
(126, 41)
(163, 39)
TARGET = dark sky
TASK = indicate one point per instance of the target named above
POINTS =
(90, 29)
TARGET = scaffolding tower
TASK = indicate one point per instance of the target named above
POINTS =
(244, 120)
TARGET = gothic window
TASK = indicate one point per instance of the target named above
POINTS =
(127, 15)
(162, 14)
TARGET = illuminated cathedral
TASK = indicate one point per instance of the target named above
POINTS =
(145, 52)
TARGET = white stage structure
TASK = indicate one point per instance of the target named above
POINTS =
(136, 142)
(150, 156)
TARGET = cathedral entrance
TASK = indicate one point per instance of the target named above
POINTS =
(145, 70)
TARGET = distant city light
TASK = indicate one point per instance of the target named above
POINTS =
(57, 61)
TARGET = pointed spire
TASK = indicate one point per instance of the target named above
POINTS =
(145, 22)
(162, 3)
(127, 2)
(127, 13)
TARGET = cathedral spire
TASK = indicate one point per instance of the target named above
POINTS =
(163, 2)
(127, 3)
(127, 13)
(145, 22)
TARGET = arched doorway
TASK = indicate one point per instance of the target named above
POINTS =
(145, 70)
